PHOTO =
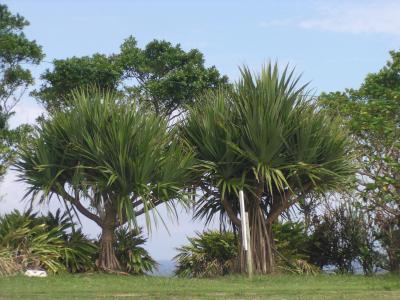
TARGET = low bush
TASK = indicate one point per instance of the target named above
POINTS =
(211, 253)
(133, 258)
(53, 243)
(25, 244)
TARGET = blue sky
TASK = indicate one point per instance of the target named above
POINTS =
(334, 44)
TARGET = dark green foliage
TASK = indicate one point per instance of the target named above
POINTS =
(79, 253)
(388, 234)
(169, 78)
(108, 160)
(209, 254)
(266, 130)
(267, 138)
(31, 245)
(104, 148)
(16, 51)
(161, 76)
(77, 72)
(10, 140)
(133, 258)
(372, 113)
(53, 243)
(213, 253)
(341, 237)
(291, 240)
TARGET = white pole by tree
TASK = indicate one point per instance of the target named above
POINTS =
(243, 218)
(245, 234)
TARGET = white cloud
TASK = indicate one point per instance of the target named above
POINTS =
(357, 19)
(363, 17)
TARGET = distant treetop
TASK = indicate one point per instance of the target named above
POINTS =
(161, 76)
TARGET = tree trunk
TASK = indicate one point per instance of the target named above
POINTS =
(394, 265)
(261, 242)
(107, 260)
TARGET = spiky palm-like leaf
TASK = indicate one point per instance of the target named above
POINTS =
(31, 245)
(267, 138)
(211, 253)
(107, 160)
(128, 248)
(102, 147)
(266, 132)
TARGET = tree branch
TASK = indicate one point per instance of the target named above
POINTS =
(278, 207)
(143, 210)
(83, 210)
(232, 215)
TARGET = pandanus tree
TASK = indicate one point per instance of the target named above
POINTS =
(267, 138)
(108, 161)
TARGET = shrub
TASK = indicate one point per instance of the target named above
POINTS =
(29, 245)
(8, 265)
(291, 247)
(79, 253)
(132, 257)
(341, 237)
(46, 242)
(211, 253)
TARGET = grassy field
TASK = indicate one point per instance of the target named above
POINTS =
(271, 287)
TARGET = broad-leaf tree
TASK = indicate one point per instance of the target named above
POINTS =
(72, 73)
(108, 161)
(372, 114)
(267, 138)
(161, 76)
(16, 52)
(169, 78)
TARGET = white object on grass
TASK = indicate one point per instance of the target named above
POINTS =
(35, 273)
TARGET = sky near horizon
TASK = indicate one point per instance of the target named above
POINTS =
(334, 44)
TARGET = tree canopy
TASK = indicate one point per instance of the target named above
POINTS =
(109, 161)
(267, 138)
(77, 72)
(169, 78)
(16, 51)
(372, 114)
(161, 76)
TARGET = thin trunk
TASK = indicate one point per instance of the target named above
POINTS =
(394, 264)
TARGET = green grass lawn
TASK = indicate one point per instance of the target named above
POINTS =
(233, 287)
